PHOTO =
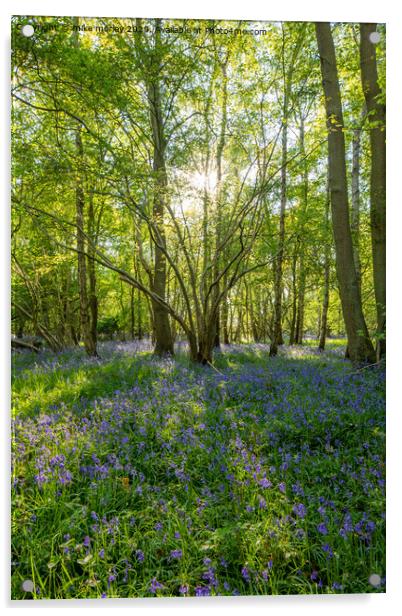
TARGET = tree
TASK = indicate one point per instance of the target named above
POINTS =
(376, 119)
(359, 344)
(192, 187)
(288, 72)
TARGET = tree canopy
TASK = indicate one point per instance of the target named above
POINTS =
(176, 179)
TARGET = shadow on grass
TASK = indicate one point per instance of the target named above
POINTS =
(79, 384)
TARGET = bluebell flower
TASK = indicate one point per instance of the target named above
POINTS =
(300, 510)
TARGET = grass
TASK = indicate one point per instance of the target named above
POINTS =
(135, 476)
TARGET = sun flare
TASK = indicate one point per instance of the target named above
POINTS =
(202, 181)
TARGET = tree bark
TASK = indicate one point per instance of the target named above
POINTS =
(219, 160)
(300, 302)
(277, 336)
(360, 346)
(85, 320)
(376, 118)
(163, 333)
(132, 314)
(355, 214)
(325, 301)
(89, 342)
(292, 332)
(93, 299)
(302, 269)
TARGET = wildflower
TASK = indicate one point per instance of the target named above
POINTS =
(327, 548)
(101, 553)
(202, 591)
(139, 555)
(176, 554)
(155, 585)
(322, 529)
(297, 489)
(245, 574)
(370, 526)
(184, 588)
(300, 510)
(87, 541)
(111, 579)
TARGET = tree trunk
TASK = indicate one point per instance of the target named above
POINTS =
(360, 347)
(219, 159)
(302, 269)
(162, 329)
(89, 342)
(225, 314)
(292, 333)
(277, 333)
(85, 320)
(325, 301)
(355, 217)
(300, 302)
(132, 314)
(376, 118)
(93, 299)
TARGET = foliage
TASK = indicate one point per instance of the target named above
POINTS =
(135, 476)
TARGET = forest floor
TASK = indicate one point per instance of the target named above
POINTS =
(135, 476)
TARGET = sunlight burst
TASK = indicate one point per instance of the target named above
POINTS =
(202, 181)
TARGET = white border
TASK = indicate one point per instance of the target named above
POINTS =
(294, 10)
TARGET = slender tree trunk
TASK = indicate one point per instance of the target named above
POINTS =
(139, 315)
(85, 321)
(93, 299)
(325, 301)
(376, 118)
(277, 333)
(162, 329)
(294, 298)
(300, 302)
(219, 194)
(250, 310)
(303, 213)
(360, 347)
(355, 217)
(225, 314)
(132, 314)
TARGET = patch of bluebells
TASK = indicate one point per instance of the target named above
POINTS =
(234, 457)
